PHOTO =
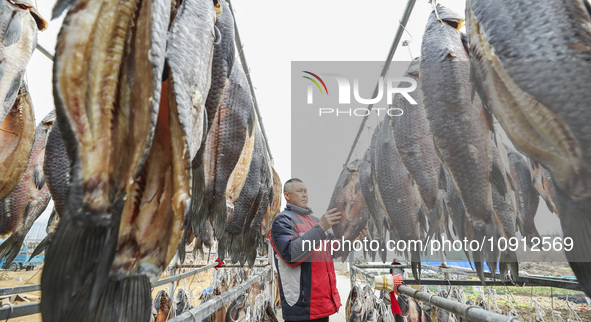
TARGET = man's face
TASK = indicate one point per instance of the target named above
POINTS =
(298, 196)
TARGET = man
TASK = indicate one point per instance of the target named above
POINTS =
(307, 280)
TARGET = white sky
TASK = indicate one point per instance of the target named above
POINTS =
(274, 34)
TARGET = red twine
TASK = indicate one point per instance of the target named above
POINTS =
(219, 265)
(393, 301)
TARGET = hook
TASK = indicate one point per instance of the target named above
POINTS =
(11, 309)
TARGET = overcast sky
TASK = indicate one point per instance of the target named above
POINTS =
(275, 34)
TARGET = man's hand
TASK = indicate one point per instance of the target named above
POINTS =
(330, 218)
(362, 234)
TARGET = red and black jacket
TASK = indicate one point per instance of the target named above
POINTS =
(307, 280)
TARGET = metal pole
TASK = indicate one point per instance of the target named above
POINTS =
(45, 52)
(247, 72)
(470, 312)
(405, 16)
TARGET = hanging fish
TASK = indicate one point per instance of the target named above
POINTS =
(20, 209)
(275, 205)
(20, 23)
(233, 124)
(534, 86)
(506, 215)
(347, 197)
(377, 214)
(532, 80)
(400, 195)
(221, 67)
(414, 142)
(181, 301)
(460, 124)
(17, 133)
(107, 85)
(162, 306)
(526, 196)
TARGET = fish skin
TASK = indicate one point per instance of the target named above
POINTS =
(233, 122)
(28, 200)
(575, 222)
(541, 104)
(414, 142)
(401, 197)
(223, 60)
(18, 32)
(162, 305)
(459, 124)
(275, 205)
(505, 214)
(526, 195)
(51, 227)
(189, 55)
(377, 214)
(181, 301)
(244, 206)
(17, 133)
(348, 199)
(56, 168)
(107, 80)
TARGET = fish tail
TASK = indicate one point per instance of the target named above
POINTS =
(182, 245)
(509, 266)
(10, 248)
(197, 192)
(416, 265)
(383, 252)
(42, 245)
(76, 268)
(530, 231)
(224, 246)
(218, 214)
(481, 230)
(128, 299)
(199, 218)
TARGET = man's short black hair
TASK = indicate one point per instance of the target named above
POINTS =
(288, 182)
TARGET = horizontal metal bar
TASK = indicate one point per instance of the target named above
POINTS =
(208, 308)
(227, 265)
(184, 275)
(382, 266)
(20, 289)
(7, 312)
(470, 312)
(563, 283)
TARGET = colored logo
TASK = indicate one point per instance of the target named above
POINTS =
(315, 82)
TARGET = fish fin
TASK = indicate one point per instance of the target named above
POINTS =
(588, 6)
(497, 179)
(549, 205)
(196, 217)
(439, 155)
(442, 182)
(217, 35)
(224, 246)
(511, 181)
(218, 213)
(77, 264)
(61, 6)
(11, 247)
(38, 179)
(14, 31)
(128, 299)
(230, 60)
(251, 124)
(41, 246)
